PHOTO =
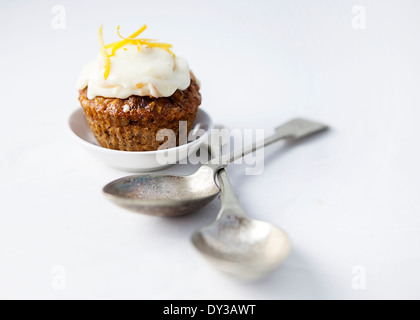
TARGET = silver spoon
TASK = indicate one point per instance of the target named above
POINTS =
(167, 195)
(238, 245)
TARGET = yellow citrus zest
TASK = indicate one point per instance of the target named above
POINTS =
(104, 53)
(125, 41)
(132, 39)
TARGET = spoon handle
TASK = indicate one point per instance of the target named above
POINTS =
(292, 130)
(230, 203)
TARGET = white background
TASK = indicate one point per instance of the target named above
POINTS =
(347, 198)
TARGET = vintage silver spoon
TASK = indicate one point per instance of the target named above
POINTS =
(238, 245)
(167, 195)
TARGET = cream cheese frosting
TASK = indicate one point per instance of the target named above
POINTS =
(141, 71)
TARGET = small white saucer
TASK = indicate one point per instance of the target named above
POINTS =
(138, 161)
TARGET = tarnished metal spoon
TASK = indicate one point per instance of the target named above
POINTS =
(160, 194)
(237, 244)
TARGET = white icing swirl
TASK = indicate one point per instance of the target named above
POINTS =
(150, 72)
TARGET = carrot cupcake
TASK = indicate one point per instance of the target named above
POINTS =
(135, 88)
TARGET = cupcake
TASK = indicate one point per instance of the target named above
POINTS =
(135, 88)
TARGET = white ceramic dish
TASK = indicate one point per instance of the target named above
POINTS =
(144, 161)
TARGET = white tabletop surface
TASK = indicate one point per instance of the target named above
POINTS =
(348, 199)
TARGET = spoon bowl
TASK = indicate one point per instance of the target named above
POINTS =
(237, 244)
(166, 196)
(243, 247)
